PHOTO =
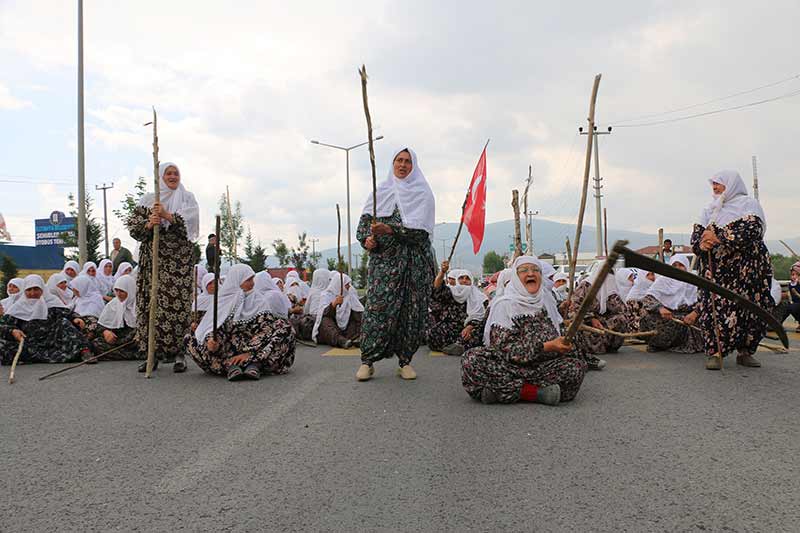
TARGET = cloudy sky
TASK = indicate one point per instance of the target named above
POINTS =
(242, 88)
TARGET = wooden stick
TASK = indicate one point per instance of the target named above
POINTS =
(661, 244)
(714, 314)
(517, 232)
(216, 280)
(776, 349)
(605, 229)
(151, 319)
(339, 250)
(463, 208)
(363, 74)
(11, 377)
(789, 248)
(571, 265)
(528, 230)
(604, 331)
(586, 168)
(194, 295)
(90, 360)
(682, 323)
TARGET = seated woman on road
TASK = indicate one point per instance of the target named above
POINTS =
(277, 303)
(626, 278)
(791, 304)
(105, 279)
(633, 300)
(304, 324)
(124, 269)
(669, 299)
(524, 357)
(117, 324)
(608, 311)
(71, 269)
(49, 337)
(339, 314)
(457, 313)
(14, 291)
(560, 287)
(250, 340)
(90, 271)
(87, 305)
(205, 300)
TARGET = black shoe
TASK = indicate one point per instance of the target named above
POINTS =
(252, 372)
(488, 396)
(235, 374)
(179, 366)
(453, 349)
(143, 366)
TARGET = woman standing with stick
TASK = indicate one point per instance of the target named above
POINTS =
(177, 214)
(401, 265)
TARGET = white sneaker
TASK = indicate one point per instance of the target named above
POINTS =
(407, 372)
(365, 373)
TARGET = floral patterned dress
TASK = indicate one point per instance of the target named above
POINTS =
(740, 263)
(124, 335)
(269, 340)
(516, 356)
(671, 336)
(329, 332)
(175, 264)
(400, 275)
(615, 318)
(54, 340)
(446, 321)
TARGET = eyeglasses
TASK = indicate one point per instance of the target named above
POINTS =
(530, 269)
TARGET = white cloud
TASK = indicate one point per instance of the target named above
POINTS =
(10, 103)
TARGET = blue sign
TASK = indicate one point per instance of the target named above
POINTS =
(50, 231)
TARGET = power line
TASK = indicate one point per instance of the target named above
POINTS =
(33, 181)
(714, 112)
(720, 99)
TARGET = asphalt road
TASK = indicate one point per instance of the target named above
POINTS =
(652, 443)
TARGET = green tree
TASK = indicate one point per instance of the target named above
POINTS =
(231, 227)
(255, 256)
(331, 264)
(281, 252)
(8, 269)
(493, 262)
(781, 266)
(361, 273)
(94, 233)
(299, 255)
(196, 253)
(130, 201)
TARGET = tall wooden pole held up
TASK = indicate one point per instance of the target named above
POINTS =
(151, 319)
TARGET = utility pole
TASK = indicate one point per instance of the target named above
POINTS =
(105, 209)
(528, 229)
(755, 178)
(82, 257)
(444, 251)
(314, 248)
(597, 194)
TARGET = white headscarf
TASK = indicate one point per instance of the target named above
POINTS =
(469, 294)
(106, 283)
(640, 286)
(232, 302)
(672, 293)
(732, 204)
(319, 282)
(548, 271)
(205, 299)
(121, 314)
(61, 296)
(89, 303)
(776, 291)
(8, 301)
(31, 308)
(74, 266)
(296, 287)
(278, 302)
(179, 201)
(517, 301)
(608, 288)
(503, 280)
(94, 283)
(412, 196)
(121, 270)
(201, 273)
(451, 275)
(350, 302)
(624, 283)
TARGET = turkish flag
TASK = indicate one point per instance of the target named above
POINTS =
(474, 216)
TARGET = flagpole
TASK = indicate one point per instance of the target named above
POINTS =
(463, 207)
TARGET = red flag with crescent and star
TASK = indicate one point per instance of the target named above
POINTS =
(474, 216)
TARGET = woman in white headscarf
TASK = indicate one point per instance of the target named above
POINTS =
(105, 278)
(124, 269)
(49, 337)
(277, 301)
(86, 302)
(608, 311)
(524, 357)
(729, 243)
(625, 277)
(401, 266)
(71, 269)
(339, 314)
(177, 215)
(457, 313)
(560, 287)
(669, 299)
(90, 271)
(304, 322)
(633, 301)
(117, 324)
(14, 291)
(250, 340)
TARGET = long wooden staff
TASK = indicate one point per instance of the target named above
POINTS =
(587, 166)
(517, 232)
(339, 250)
(194, 295)
(768, 346)
(151, 319)
(661, 244)
(216, 279)
(790, 249)
(11, 378)
(87, 361)
(606, 331)
(363, 73)
(605, 230)
(463, 207)
(714, 313)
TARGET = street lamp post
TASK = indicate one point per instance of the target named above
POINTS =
(347, 159)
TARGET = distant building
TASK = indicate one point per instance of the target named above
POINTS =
(280, 272)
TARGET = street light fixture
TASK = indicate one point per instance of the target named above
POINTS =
(346, 150)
